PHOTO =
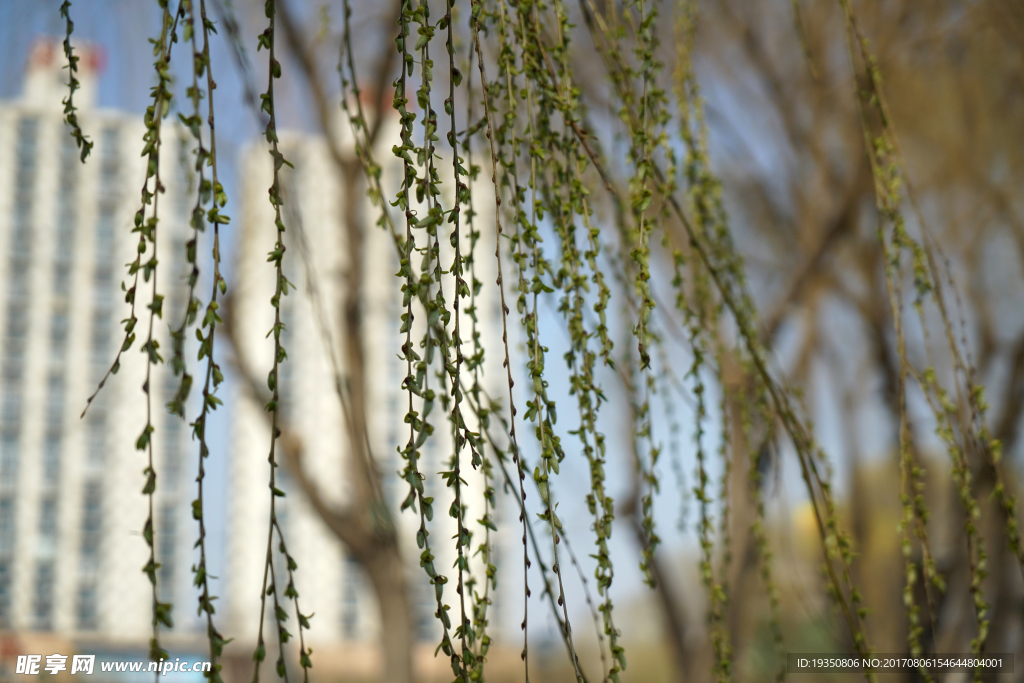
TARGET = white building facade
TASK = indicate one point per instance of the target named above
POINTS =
(330, 582)
(71, 508)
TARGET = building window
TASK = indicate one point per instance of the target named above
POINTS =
(8, 461)
(62, 277)
(59, 330)
(352, 583)
(6, 553)
(92, 519)
(11, 414)
(100, 333)
(55, 403)
(48, 523)
(425, 607)
(12, 367)
(172, 455)
(17, 321)
(97, 442)
(5, 594)
(6, 526)
(17, 284)
(42, 608)
(86, 609)
(167, 534)
(103, 275)
(51, 459)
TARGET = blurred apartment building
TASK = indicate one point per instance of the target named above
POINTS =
(71, 512)
(332, 583)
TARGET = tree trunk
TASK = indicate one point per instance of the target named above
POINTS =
(673, 610)
(387, 574)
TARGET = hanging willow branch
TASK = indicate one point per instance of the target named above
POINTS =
(210, 193)
(481, 602)
(718, 257)
(476, 24)
(270, 585)
(960, 413)
(70, 115)
(147, 228)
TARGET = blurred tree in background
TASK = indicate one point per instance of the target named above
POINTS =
(801, 220)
